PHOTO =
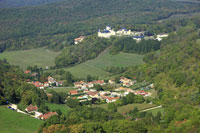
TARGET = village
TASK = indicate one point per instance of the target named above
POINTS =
(84, 92)
(108, 32)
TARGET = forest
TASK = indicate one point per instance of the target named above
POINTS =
(175, 72)
(55, 25)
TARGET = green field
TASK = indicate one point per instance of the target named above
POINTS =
(63, 108)
(95, 67)
(60, 89)
(155, 111)
(125, 109)
(41, 57)
(13, 122)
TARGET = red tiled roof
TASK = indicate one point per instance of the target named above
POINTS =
(27, 71)
(48, 115)
(73, 92)
(112, 98)
(31, 108)
(92, 93)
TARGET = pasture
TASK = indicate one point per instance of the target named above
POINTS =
(14, 122)
(96, 67)
(41, 57)
(63, 107)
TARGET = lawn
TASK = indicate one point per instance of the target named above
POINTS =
(63, 107)
(125, 109)
(13, 122)
(155, 111)
(95, 67)
(41, 57)
(60, 89)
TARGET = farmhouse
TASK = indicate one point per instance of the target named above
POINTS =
(38, 84)
(51, 80)
(93, 94)
(27, 71)
(48, 115)
(108, 32)
(73, 92)
(161, 36)
(79, 84)
(111, 99)
(79, 39)
(31, 108)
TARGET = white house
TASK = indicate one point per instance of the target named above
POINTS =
(106, 33)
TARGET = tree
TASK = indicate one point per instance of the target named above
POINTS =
(112, 107)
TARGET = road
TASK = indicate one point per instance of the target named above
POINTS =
(151, 108)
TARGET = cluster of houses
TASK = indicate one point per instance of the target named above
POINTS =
(85, 91)
(79, 39)
(136, 35)
(33, 111)
(127, 82)
(108, 32)
(38, 115)
(51, 81)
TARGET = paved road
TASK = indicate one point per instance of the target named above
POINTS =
(152, 108)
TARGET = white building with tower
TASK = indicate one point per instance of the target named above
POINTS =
(106, 33)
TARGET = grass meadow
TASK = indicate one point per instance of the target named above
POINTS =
(41, 57)
(63, 107)
(96, 67)
(14, 122)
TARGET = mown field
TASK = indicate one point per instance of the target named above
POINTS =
(13, 122)
(155, 111)
(60, 89)
(127, 108)
(63, 107)
(41, 57)
(96, 67)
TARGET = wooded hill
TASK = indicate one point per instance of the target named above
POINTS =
(56, 25)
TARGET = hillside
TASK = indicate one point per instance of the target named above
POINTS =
(40, 57)
(97, 66)
(56, 25)
(11, 121)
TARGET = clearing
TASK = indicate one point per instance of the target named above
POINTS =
(14, 122)
(96, 67)
(127, 108)
(63, 107)
(41, 57)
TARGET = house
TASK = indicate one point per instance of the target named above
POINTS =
(38, 115)
(160, 37)
(51, 80)
(98, 82)
(111, 99)
(93, 94)
(48, 115)
(38, 84)
(46, 84)
(79, 84)
(59, 83)
(126, 82)
(79, 39)
(111, 81)
(106, 33)
(31, 108)
(27, 71)
(73, 92)
(143, 93)
(34, 74)
(89, 85)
